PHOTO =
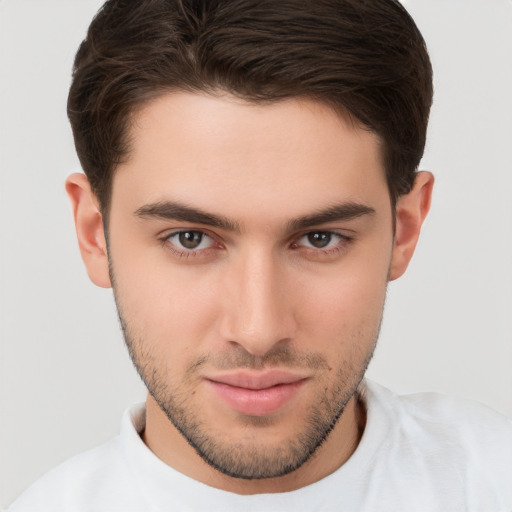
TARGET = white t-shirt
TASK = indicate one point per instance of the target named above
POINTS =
(419, 453)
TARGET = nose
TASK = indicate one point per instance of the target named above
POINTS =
(258, 311)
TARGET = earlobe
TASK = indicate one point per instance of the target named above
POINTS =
(89, 229)
(411, 210)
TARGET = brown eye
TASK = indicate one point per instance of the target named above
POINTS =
(190, 242)
(319, 239)
(190, 239)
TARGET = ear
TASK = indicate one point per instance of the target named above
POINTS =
(89, 229)
(411, 210)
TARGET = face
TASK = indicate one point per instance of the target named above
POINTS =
(249, 250)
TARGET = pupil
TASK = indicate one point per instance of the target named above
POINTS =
(190, 239)
(319, 239)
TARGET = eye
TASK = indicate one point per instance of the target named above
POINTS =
(190, 240)
(320, 240)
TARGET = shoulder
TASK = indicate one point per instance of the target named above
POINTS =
(451, 439)
(91, 481)
(438, 416)
(471, 421)
(66, 486)
(438, 410)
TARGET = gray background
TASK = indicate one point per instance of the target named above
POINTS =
(64, 375)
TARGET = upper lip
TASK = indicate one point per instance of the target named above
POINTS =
(257, 379)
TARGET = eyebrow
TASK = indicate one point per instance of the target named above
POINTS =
(171, 210)
(337, 212)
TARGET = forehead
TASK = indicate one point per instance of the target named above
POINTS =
(229, 156)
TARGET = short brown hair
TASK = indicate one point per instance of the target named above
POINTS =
(366, 58)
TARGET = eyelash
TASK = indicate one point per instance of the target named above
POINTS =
(341, 245)
(184, 253)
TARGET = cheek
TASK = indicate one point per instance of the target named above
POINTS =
(172, 308)
(352, 303)
(344, 307)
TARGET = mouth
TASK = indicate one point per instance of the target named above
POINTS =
(257, 393)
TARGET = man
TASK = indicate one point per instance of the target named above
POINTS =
(250, 189)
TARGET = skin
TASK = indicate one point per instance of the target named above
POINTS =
(259, 292)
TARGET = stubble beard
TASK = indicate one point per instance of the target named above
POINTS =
(248, 459)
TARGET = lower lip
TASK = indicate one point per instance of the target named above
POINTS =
(257, 402)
